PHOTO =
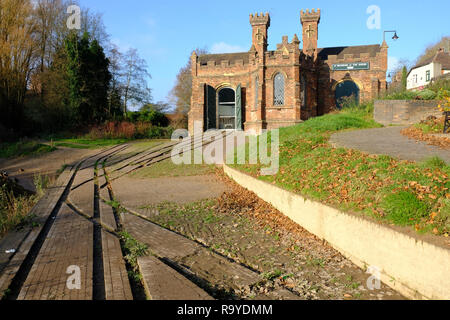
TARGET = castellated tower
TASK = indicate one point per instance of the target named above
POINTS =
(310, 21)
(260, 24)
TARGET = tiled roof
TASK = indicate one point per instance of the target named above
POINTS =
(442, 58)
(372, 50)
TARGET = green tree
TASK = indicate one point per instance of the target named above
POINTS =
(404, 77)
(89, 78)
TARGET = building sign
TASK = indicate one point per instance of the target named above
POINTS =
(351, 66)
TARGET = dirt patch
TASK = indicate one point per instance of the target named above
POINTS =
(134, 193)
(24, 169)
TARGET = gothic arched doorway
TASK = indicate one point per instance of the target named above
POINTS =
(345, 92)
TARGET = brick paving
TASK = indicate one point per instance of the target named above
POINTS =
(69, 243)
(164, 283)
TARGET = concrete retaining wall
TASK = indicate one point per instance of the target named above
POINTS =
(404, 112)
(415, 268)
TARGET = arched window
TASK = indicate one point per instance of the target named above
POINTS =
(303, 92)
(278, 90)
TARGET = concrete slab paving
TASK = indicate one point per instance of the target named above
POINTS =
(164, 283)
(388, 141)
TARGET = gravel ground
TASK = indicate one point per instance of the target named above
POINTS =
(244, 228)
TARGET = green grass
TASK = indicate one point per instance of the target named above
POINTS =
(84, 143)
(399, 192)
(272, 275)
(16, 204)
(167, 168)
(133, 249)
(24, 148)
(431, 126)
(88, 143)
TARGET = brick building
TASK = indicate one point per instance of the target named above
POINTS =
(262, 89)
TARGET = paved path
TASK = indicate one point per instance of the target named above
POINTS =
(388, 141)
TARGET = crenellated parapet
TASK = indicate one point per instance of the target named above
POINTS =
(260, 23)
(260, 19)
(310, 16)
(310, 32)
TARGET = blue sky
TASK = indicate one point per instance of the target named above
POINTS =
(166, 32)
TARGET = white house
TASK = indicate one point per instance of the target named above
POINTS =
(422, 74)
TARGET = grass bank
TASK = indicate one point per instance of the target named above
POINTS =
(397, 192)
(84, 143)
(24, 148)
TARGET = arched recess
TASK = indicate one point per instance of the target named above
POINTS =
(226, 101)
(344, 90)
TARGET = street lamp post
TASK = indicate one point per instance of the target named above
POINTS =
(395, 37)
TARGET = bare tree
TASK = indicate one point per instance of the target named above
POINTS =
(432, 49)
(17, 53)
(180, 96)
(134, 80)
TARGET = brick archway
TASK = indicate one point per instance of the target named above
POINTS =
(344, 90)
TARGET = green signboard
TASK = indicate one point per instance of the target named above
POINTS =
(351, 66)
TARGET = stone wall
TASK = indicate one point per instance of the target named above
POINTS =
(404, 112)
(417, 266)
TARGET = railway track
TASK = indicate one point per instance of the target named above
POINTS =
(78, 234)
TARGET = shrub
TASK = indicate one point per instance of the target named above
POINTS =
(125, 130)
(427, 94)
(443, 84)
(128, 130)
(153, 117)
(401, 95)
(14, 208)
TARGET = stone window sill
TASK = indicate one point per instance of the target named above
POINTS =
(279, 107)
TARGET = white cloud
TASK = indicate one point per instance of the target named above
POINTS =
(393, 63)
(222, 47)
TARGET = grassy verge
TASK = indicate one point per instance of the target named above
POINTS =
(23, 148)
(84, 143)
(88, 143)
(398, 192)
(132, 250)
(16, 203)
(431, 126)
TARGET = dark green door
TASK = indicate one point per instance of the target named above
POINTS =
(210, 119)
(346, 92)
(239, 108)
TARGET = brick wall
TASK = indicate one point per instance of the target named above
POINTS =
(308, 78)
(404, 112)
